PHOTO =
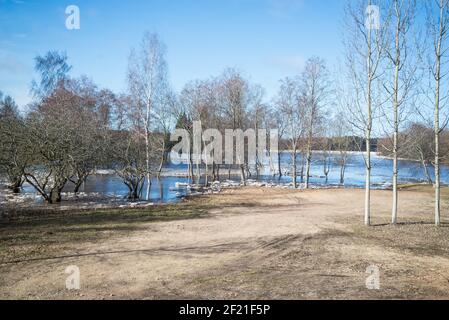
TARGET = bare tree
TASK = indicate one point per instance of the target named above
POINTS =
(365, 45)
(290, 105)
(325, 143)
(235, 101)
(421, 147)
(130, 158)
(51, 143)
(315, 91)
(12, 133)
(93, 107)
(402, 64)
(258, 114)
(165, 114)
(438, 27)
(198, 104)
(341, 140)
(53, 70)
(147, 80)
(281, 124)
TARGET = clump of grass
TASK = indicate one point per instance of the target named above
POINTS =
(420, 238)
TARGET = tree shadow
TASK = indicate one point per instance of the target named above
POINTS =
(411, 223)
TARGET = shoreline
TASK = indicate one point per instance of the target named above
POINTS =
(29, 202)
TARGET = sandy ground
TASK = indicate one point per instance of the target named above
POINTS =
(252, 244)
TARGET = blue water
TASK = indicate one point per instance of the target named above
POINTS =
(113, 186)
(409, 171)
(162, 189)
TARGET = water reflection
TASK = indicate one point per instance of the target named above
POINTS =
(164, 190)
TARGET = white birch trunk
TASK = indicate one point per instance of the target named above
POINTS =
(437, 118)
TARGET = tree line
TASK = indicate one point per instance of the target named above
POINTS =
(390, 96)
(73, 127)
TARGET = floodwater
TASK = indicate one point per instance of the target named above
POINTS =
(163, 190)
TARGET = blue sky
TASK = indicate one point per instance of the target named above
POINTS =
(266, 39)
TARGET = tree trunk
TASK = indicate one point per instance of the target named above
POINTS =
(342, 173)
(309, 160)
(147, 160)
(55, 196)
(15, 189)
(79, 182)
(294, 169)
(426, 171)
(437, 167)
(369, 125)
(279, 164)
(303, 162)
(368, 179)
(191, 175)
(394, 214)
(368, 162)
(198, 172)
(394, 218)
(437, 124)
(242, 173)
(326, 167)
(78, 185)
(163, 160)
(16, 185)
(206, 173)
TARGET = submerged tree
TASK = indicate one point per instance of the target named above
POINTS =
(315, 90)
(147, 81)
(63, 140)
(235, 92)
(290, 105)
(341, 142)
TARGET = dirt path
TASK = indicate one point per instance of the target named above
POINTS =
(255, 244)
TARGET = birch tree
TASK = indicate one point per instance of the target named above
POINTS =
(281, 126)
(341, 141)
(147, 78)
(258, 114)
(236, 97)
(438, 27)
(52, 69)
(315, 89)
(402, 64)
(365, 45)
(290, 105)
(420, 138)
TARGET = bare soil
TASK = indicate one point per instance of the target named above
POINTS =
(253, 243)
